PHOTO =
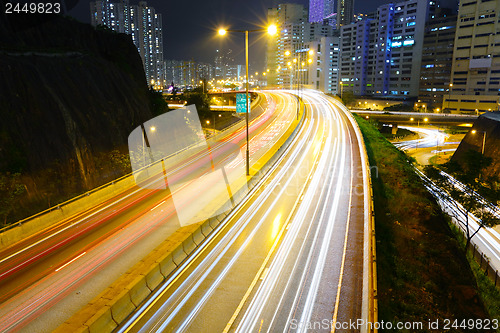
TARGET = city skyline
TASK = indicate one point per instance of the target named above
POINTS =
(200, 29)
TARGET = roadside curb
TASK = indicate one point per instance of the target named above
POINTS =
(369, 310)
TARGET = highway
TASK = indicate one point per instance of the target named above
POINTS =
(47, 277)
(290, 257)
(431, 137)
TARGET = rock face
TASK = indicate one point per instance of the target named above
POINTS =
(487, 127)
(69, 95)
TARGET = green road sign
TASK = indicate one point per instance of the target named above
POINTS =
(241, 105)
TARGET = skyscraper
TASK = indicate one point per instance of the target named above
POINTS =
(144, 25)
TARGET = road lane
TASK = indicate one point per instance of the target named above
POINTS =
(293, 253)
(70, 272)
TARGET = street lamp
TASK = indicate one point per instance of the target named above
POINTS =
(214, 121)
(271, 30)
(449, 96)
(484, 140)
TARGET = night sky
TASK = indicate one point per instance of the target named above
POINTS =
(190, 26)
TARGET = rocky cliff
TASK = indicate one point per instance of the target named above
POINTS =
(487, 130)
(69, 97)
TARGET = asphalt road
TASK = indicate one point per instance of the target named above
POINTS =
(46, 278)
(290, 258)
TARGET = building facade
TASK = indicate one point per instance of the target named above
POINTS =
(322, 72)
(345, 12)
(145, 27)
(382, 52)
(437, 56)
(475, 74)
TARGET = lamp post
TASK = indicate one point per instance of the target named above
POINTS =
(449, 96)
(484, 140)
(271, 30)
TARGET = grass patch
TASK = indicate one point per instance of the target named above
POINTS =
(423, 273)
(401, 134)
(487, 290)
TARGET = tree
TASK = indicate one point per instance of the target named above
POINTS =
(158, 104)
(11, 191)
(348, 98)
(202, 103)
(466, 199)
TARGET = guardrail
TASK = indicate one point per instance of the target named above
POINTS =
(483, 260)
(370, 299)
(415, 114)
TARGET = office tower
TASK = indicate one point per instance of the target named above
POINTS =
(145, 27)
(437, 58)
(475, 75)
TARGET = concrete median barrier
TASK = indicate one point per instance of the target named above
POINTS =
(138, 289)
(121, 306)
(110, 308)
(167, 266)
(101, 321)
(154, 277)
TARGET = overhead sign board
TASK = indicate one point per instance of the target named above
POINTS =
(241, 104)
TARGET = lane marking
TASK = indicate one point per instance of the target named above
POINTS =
(158, 205)
(198, 252)
(286, 226)
(342, 265)
(69, 262)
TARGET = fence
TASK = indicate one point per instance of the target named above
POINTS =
(484, 265)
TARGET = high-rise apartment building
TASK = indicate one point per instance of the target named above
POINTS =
(224, 64)
(381, 53)
(345, 12)
(475, 74)
(113, 15)
(304, 53)
(144, 25)
(437, 58)
(272, 51)
(187, 73)
(322, 72)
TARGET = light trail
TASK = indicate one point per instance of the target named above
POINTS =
(286, 246)
(26, 306)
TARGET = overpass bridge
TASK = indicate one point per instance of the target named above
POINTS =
(414, 118)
